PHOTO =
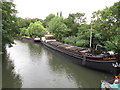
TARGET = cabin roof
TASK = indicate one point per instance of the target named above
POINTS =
(49, 35)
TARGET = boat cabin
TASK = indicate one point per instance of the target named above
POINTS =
(48, 38)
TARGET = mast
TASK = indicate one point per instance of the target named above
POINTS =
(91, 37)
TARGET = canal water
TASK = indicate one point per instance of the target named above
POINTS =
(32, 65)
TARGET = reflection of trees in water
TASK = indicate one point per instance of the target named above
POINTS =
(35, 51)
(9, 78)
(83, 77)
(35, 48)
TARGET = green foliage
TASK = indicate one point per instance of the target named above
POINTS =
(58, 27)
(36, 29)
(23, 31)
(112, 44)
(70, 40)
(83, 35)
(82, 42)
(33, 29)
(48, 19)
(9, 25)
(24, 23)
(74, 21)
(107, 24)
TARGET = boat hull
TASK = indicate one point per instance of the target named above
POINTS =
(106, 66)
(37, 41)
(30, 39)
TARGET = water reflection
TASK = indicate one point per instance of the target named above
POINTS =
(83, 77)
(9, 76)
(32, 65)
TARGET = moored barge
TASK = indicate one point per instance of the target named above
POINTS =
(104, 62)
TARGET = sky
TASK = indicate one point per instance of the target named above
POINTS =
(42, 8)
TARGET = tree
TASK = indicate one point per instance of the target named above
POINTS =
(83, 35)
(48, 19)
(36, 29)
(58, 27)
(9, 25)
(33, 20)
(23, 32)
(70, 40)
(107, 22)
(74, 21)
(114, 20)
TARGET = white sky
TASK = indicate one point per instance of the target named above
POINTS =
(42, 8)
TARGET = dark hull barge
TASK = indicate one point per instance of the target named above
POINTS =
(100, 62)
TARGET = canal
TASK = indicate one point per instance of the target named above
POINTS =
(32, 65)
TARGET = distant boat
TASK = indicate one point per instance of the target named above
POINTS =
(27, 38)
(108, 86)
(103, 62)
(37, 39)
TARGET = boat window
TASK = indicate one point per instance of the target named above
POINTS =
(48, 38)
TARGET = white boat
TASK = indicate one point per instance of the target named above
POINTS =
(37, 39)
